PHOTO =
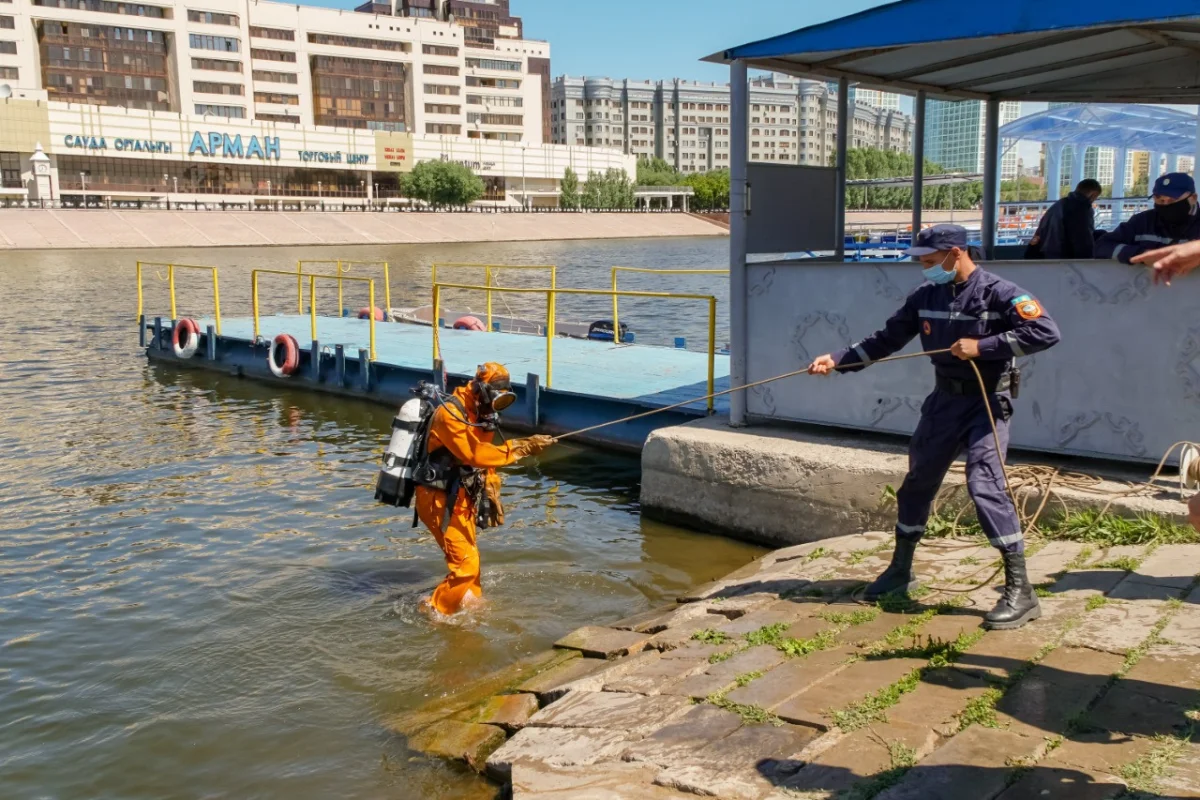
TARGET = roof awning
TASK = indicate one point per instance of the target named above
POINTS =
(1033, 50)
(1132, 127)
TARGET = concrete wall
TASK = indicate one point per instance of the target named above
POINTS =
(1124, 383)
(36, 229)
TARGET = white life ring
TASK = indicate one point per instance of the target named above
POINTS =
(189, 332)
(284, 355)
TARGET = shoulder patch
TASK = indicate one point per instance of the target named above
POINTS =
(1027, 307)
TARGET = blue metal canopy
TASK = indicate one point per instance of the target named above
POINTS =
(1132, 127)
(1070, 50)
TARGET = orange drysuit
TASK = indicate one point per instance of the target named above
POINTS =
(473, 447)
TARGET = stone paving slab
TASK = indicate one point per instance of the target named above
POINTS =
(861, 754)
(556, 747)
(654, 676)
(548, 685)
(701, 726)
(1099, 752)
(607, 781)
(1055, 691)
(745, 765)
(1123, 710)
(1059, 783)
(634, 713)
(973, 764)
(938, 699)
(852, 685)
(791, 678)
(508, 711)
(1115, 627)
(1184, 626)
(460, 741)
(600, 642)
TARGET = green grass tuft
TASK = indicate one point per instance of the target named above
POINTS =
(1126, 563)
(1146, 773)
(795, 648)
(746, 677)
(850, 617)
(872, 707)
(710, 636)
(750, 714)
(768, 634)
(1096, 601)
(981, 710)
(1043, 590)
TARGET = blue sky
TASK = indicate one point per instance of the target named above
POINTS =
(655, 39)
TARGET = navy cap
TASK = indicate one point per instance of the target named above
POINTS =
(939, 238)
(1174, 184)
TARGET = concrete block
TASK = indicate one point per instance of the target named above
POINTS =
(507, 711)
(459, 741)
(600, 642)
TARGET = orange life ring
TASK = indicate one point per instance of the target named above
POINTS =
(365, 313)
(469, 323)
(185, 338)
(284, 355)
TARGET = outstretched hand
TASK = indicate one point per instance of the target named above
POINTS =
(1170, 262)
(966, 349)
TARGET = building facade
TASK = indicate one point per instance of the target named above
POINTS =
(954, 136)
(792, 121)
(446, 67)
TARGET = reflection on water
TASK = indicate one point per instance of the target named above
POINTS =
(198, 596)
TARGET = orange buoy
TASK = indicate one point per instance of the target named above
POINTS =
(469, 323)
(284, 355)
(365, 313)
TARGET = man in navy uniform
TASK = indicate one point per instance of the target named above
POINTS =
(977, 316)
(1172, 220)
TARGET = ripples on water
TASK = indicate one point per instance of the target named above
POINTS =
(198, 596)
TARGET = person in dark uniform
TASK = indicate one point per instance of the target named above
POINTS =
(1068, 228)
(977, 316)
(1173, 219)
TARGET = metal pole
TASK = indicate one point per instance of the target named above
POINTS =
(1118, 189)
(1054, 170)
(216, 301)
(139, 282)
(487, 271)
(549, 337)
(843, 136)
(299, 287)
(739, 154)
(1077, 168)
(712, 350)
(341, 301)
(437, 305)
(918, 190)
(254, 300)
(991, 176)
(312, 305)
(616, 317)
(387, 290)
(371, 300)
(171, 283)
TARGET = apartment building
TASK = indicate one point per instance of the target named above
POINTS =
(686, 123)
(419, 66)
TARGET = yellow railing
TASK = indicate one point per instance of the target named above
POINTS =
(616, 270)
(551, 300)
(171, 288)
(489, 271)
(342, 266)
(312, 298)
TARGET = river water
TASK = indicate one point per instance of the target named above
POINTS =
(199, 597)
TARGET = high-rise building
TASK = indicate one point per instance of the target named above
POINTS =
(687, 123)
(954, 136)
(426, 66)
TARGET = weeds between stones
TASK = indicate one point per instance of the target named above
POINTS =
(710, 636)
(1088, 526)
(1126, 563)
(848, 618)
(1096, 601)
(748, 713)
(903, 758)
(981, 710)
(1146, 773)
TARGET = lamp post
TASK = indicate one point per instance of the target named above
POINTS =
(83, 183)
(268, 188)
(318, 188)
(524, 193)
(165, 176)
(175, 181)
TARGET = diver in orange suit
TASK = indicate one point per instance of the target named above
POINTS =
(464, 427)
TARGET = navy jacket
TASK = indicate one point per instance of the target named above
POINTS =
(1005, 319)
(1143, 232)
(1067, 230)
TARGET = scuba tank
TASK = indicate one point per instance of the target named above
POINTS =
(394, 485)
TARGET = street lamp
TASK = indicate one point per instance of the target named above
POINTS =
(175, 181)
(524, 193)
(83, 183)
(268, 188)
(318, 188)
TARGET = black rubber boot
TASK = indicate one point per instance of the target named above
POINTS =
(1018, 604)
(898, 577)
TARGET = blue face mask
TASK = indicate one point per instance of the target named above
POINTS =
(938, 274)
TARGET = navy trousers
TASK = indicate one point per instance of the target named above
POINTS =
(950, 424)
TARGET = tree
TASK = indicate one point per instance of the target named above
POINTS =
(711, 188)
(612, 189)
(443, 183)
(569, 192)
(657, 172)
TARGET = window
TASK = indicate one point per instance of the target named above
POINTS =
(438, 88)
(216, 64)
(278, 99)
(439, 69)
(440, 108)
(222, 43)
(229, 112)
(272, 55)
(355, 41)
(10, 170)
(274, 77)
(492, 63)
(212, 18)
(208, 87)
(501, 100)
(277, 118)
(8, 74)
(438, 50)
(272, 33)
(494, 119)
(8, 48)
(442, 127)
(104, 7)
(9, 23)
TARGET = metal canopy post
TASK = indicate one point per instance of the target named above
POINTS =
(1196, 162)
(991, 176)
(739, 155)
(1155, 168)
(843, 131)
(1054, 170)
(918, 189)
(1077, 168)
(1119, 185)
